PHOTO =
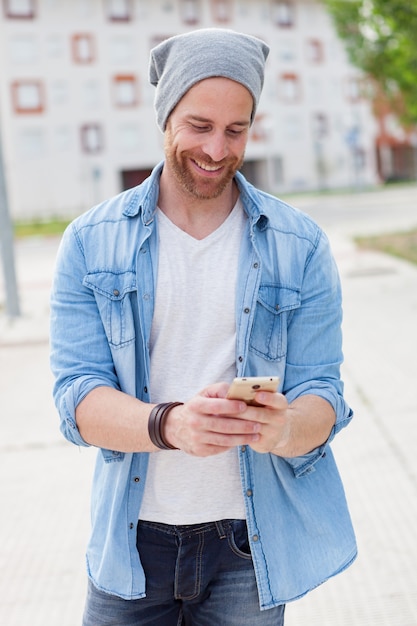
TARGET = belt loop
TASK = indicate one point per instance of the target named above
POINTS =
(220, 530)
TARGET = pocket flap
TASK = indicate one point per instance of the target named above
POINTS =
(277, 299)
(113, 285)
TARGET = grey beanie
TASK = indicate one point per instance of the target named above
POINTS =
(180, 62)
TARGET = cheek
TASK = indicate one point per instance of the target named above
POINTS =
(183, 145)
(238, 149)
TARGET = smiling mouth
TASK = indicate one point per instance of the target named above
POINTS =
(208, 168)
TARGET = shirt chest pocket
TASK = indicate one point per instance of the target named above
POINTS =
(113, 293)
(274, 308)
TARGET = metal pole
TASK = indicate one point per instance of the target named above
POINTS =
(6, 246)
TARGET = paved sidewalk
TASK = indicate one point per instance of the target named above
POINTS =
(45, 483)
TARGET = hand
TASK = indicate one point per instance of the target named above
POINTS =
(209, 423)
(291, 430)
(273, 417)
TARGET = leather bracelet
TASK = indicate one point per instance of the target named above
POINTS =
(156, 422)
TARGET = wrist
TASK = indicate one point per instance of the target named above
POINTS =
(157, 422)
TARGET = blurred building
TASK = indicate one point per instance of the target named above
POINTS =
(396, 145)
(76, 109)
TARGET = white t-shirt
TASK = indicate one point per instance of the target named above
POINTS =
(192, 345)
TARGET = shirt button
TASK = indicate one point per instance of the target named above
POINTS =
(256, 265)
(255, 537)
(243, 448)
(136, 479)
(249, 492)
(131, 526)
(116, 292)
(246, 310)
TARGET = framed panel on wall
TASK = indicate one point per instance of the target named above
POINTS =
(28, 96)
(19, 9)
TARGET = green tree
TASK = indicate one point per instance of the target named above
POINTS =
(381, 38)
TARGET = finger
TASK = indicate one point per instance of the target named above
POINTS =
(217, 390)
(228, 440)
(231, 426)
(272, 400)
(220, 434)
(216, 405)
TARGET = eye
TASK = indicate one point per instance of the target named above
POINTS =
(200, 129)
(235, 132)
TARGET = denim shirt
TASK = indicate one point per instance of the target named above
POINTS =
(288, 319)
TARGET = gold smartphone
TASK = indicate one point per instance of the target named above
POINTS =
(246, 388)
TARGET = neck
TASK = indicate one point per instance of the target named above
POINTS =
(197, 217)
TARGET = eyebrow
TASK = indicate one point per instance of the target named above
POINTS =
(205, 120)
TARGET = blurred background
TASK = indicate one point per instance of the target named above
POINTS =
(76, 107)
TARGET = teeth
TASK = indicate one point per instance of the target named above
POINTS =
(208, 168)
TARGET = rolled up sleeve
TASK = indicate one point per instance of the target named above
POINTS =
(80, 356)
(314, 353)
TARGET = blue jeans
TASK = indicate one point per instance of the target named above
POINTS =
(198, 575)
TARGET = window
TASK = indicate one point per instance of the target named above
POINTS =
(83, 48)
(315, 51)
(119, 10)
(320, 126)
(221, 10)
(190, 11)
(282, 13)
(125, 91)
(92, 138)
(21, 9)
(28, 96)
(290, 90)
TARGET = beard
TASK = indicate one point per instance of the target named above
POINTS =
(197, 186)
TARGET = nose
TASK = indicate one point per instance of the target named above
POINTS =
(215, 146)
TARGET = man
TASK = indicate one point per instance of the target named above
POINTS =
(205, 510)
